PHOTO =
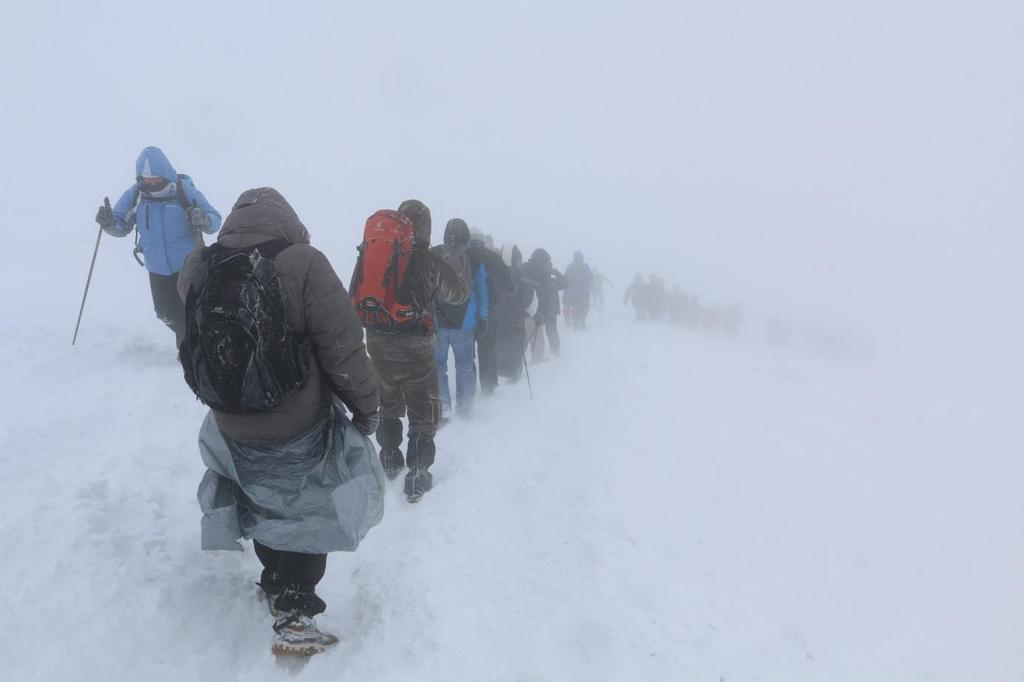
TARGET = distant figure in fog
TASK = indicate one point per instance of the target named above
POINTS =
(712, 319)
(677, 303)
(597, 288)
(578, 278)
(732, 320)
(694, 313)
(636, 293)
(656, 298)
(778, 331)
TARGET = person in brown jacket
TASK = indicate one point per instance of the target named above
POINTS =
(404, 361)
(339, 369)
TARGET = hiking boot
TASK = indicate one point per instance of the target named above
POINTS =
(392, 461)
(298, 635)
(417, 482)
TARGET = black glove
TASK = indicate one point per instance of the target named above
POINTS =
(538, 319)
(105, 216)
(482, 327)
(198, 219)
(367, 425)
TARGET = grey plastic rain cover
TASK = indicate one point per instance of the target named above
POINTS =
(318, 493)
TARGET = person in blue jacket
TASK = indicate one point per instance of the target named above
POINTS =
(168, 215)
(459, 325)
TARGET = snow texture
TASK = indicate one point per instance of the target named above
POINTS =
(670, 507)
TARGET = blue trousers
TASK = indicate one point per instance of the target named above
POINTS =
(463, 345)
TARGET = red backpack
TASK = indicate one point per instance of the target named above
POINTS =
(380, 271)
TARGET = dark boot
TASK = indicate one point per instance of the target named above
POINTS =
(417, 482)
(393, 462)
(421, 457)
(421, 451)
(389, 437)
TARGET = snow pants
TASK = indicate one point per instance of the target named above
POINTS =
(537, 336)
(551, 328)
(463, 345)
(291, 578)
(408, 386)
(511, 347)
(167, 304)
(578, 309)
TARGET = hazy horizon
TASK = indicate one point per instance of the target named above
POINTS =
(848, 163)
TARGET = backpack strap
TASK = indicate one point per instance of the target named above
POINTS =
(357, 272)
(132, 216)
(182, 198)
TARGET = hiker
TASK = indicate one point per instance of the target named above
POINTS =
(458, 323)
(677, 305)
(711, 319)
(695, 313)
(637, 294)
(547, 282)
(597, 288)
(656, 298)
(510, 312)
(499, 284)
(578, 278)
(732, 320)
(401, 339)
(286, 468)
(168, 215)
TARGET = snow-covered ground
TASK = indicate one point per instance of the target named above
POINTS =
(669, 507)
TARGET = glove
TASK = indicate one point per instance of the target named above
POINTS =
(538, 319)
(482, 327)
(367, 425)
(198, 219)
(105, 216)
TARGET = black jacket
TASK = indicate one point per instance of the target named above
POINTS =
(547, 281)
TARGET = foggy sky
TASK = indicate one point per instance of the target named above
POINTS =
(857, 162)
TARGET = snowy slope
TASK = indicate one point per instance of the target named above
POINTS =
(668, 508)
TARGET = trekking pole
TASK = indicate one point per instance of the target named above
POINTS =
(88, 280)
(526, 365)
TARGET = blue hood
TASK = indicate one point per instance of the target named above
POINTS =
(152, 161)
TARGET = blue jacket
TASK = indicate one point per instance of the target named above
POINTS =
(479, 301)
(165, 236)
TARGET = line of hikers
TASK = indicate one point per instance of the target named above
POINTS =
(272, 342)
(652, 302)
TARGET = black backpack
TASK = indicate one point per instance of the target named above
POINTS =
(240, 353)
